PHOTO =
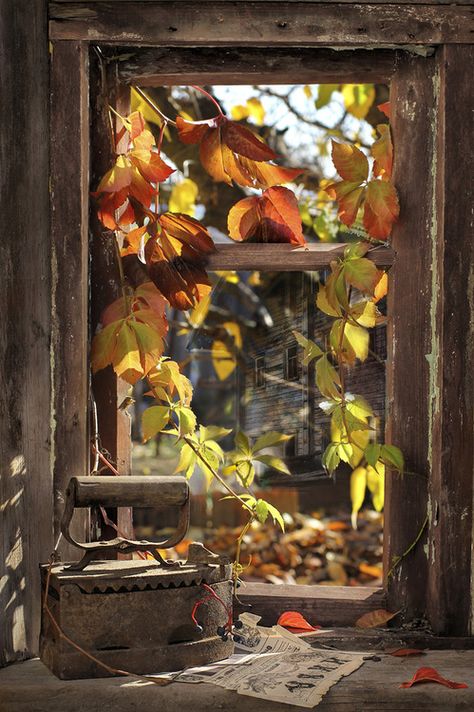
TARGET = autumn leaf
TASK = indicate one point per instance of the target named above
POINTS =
(295, 622)
(231, 152)
(272, 217)
(358, 98)
(384, 108)
(224, 352)
(174, 255)
(154, 419)
(377, 197)
(133, 178)
(375, 619)
(167, 381)
(183, 197)
(357, 488)
(404, 652)
(429, 674)
(382, 152)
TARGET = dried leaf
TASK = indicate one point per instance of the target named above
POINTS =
(295, 622)
(405, 652)
(429, 674)
(375, 619)
(384, 108)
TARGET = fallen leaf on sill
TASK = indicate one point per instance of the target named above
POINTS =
(428, 674)
(375, 619)
(404, 652)
(295, 622)
(369, 570)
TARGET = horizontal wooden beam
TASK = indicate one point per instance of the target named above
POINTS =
(327, 605)
(285, 258)
(252, 65)
(310, 2)
(268, 24)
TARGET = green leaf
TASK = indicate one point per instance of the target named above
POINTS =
(326, 303)
(327, 378)
(345, 452)
(276, 515)
(245, 472)
(325, 92)
(212, 432)
(355, 250)
(372, 453)
(274, 462)
(392, 456)
(364, 313)
(261, 510)
(353, 423)
(187, 461)
(154, 420)
(358, 406)
(331, 457)
(269, 440)
(242, 443)
(311, 350)
(362, 274)
(186, 419)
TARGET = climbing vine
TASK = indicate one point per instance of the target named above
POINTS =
(162, 258)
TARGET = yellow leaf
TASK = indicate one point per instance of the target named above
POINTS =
(183, 197)
(359, 440)
(223, 357)
(358, 339)
(127, 362)
(239, 112)
(307, 91)
(381, 288)
(139, 104)
(376, 485)
(256, 110)
(199, 313)
(364, 313)
(358, 98)
(358, 485)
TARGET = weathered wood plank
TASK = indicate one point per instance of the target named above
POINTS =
(309, 2)
(232, 65)
(327, 605)
(26, 486)
(452, 355)
(284, 257)
(108, 390)
(70, 245)
(260, 24)
(409, 333)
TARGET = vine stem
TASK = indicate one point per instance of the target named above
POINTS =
(238, 550)
(215, 474)
(153, 106)
(340, 367)
(209, 96)
(399, 559)
(167, 119)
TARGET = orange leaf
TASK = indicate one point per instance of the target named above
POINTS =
(429, 674)
(175, 259)
(349, 196)
(375, 619)
(382, 151)
(373, 571)
(295, 621)
(381, 288)
(384, 108)
(349, 161)
(405, 652)
(272, 217)
(231, 152)
(381, 208)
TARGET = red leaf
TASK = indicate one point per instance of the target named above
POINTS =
(295, 621)
(429, 674)
(381, 208)
(382, 151)
(273, 217)
(405, 652)
(349, 161)
(384, 108)
(230, 152)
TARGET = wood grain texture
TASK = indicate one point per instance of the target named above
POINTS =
(233, 65)
(26, 487)
(414, 108)
(372, 688)
(265, 24)
(452, 356)
(108, 390)
(327, 605)
(309, 2)
(69, 233)
(285, 258)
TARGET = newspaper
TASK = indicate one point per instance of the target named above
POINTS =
(280, 667)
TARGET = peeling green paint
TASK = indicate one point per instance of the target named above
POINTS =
(434, 396)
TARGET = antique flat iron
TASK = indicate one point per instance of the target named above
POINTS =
(137, 615)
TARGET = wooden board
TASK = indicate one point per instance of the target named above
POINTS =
(409, 334)
(309, 2)
(264, 24)
(285, 258)
(70, 236)
(327, 605)
(375, 687)
(26, 408)
(452, 394)
(232, 65)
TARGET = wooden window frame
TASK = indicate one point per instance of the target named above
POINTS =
(429, 417)
(291, 360)
(259, 372)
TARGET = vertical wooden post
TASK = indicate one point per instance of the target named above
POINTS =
(412, 308)
(114, 424)
(70, 271)
(451, 482)
(26, 487)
